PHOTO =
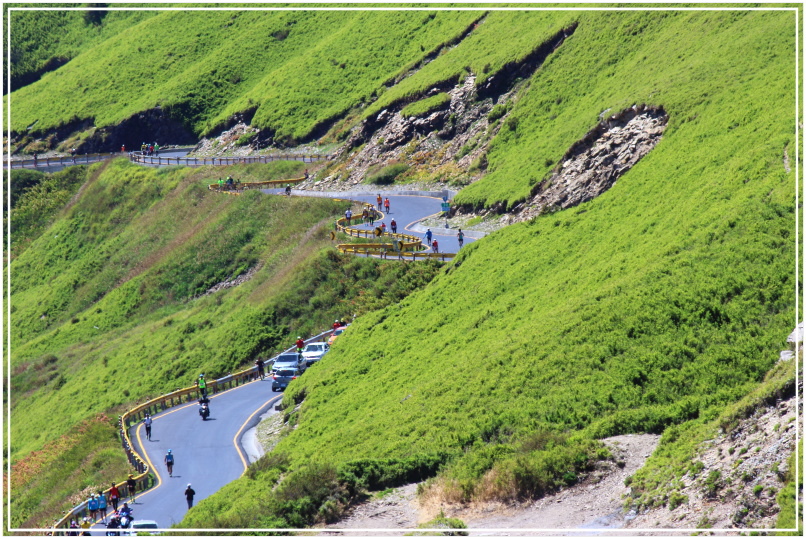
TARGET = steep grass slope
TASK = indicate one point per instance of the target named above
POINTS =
(107, 304)
(665, 299)
(293, 70)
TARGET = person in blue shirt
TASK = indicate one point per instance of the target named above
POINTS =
(428, 236)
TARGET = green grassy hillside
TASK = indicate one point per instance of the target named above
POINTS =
(106, 301)
(663, 300)
(294, 70)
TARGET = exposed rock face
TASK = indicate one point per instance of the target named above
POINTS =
(431, 141)
(743, 470)
(593, 164)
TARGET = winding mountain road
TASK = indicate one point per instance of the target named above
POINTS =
(208, 454)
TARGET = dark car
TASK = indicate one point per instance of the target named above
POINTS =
(282, 377)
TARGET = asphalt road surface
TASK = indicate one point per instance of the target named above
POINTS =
(207, 454)
(406, 210)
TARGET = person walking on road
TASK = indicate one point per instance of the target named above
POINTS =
(394, 226)
(147, 422)
(435, 246)
(386, 205)
(371, 215)
(261, 370)
(202, 385)
(380, 202)
(428, 236)
(102, 507)
(114, 496)
(348, 215)
(92, 507)
(169, 463)
(132, 486)
(189, 493)
(461, 237)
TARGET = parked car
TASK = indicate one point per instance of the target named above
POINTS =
(336, 333)
(141, 526)
(290, 360)
(313, 352)
(282, 377)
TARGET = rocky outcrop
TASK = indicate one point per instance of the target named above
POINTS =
(593, 164)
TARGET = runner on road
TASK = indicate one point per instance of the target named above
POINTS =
(169, 463)
(386, 205)
(428, 235)
(435, 246)
(461, 237)
(147, 422)
(189, 493)
(380, 202)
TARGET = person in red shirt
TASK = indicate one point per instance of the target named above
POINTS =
(394, 226)
(114, 496)
(435, 246)
(336, 324)
(300, 344)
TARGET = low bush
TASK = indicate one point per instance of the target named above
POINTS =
(387, 175)
(426, 106)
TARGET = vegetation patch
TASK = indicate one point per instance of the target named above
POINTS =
(387, 175)
(426, 106)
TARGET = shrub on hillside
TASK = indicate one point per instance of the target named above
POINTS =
(387, 175)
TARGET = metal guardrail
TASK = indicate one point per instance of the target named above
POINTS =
(139, 157)
(238, 188)
(145, 480)
(46, 162)
(406, 246)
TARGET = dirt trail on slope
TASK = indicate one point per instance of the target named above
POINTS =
(595, 503)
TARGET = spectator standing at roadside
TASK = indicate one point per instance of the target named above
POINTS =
(86, 525)
(147, 422)
(132, 485)
(73, 154)
(189, 493)
(220, 184)
(394, 226)
(260, 368)
(92, 507)
(364, 215)
(73, 528)
(300, 344)
(336, 325)
(461, 237)
(435, 246)
(102, 506)
(122, 148)
(156, 149)
(386, 205)
(114, 496)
